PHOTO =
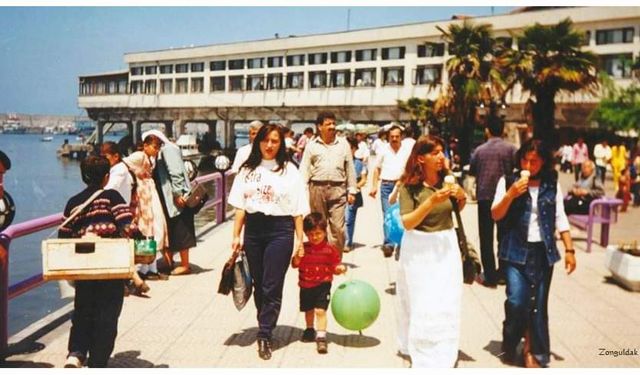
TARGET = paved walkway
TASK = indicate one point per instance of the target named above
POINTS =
(184, 323)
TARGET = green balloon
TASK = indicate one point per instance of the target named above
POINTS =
(355, 305)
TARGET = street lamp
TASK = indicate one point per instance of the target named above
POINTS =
(222, 164)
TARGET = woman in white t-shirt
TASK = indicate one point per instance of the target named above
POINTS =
(270, 200)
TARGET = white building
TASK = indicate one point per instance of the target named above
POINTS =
(358, 74)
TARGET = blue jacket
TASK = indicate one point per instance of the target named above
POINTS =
(515, 224)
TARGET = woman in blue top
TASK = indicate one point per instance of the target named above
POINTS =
(528, 204)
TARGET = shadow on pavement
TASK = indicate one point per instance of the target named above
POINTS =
(129, 359)
(24, 364)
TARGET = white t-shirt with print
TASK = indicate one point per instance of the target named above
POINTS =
(272, 193)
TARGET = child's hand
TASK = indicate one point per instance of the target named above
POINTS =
(340, 269)
(300, 252)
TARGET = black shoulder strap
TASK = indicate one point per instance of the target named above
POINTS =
(460, 232)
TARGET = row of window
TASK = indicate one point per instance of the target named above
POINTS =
(393, 76)
(391, 53)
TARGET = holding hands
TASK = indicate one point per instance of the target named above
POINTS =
(340, 269)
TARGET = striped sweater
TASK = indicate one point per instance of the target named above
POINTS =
(107, 216)
(318, 264)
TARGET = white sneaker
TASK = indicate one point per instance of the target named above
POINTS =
(72, 362)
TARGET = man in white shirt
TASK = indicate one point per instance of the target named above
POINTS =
(602, 154)
(243, 152)
(389, 167)
(362, 152)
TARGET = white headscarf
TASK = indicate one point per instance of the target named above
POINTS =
(160, 135)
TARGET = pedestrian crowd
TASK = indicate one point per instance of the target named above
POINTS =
(296, 203)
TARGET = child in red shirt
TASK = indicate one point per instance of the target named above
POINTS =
(318, 261)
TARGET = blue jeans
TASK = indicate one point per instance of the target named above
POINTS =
(350, 214)
(385, 190)
(526, 305)
(268, 244)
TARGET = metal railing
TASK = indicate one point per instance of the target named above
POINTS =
(217, 200)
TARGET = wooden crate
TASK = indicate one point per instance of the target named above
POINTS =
(87, 259)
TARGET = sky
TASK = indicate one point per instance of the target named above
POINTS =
(44, 50)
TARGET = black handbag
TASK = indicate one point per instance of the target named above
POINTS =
(471, 266)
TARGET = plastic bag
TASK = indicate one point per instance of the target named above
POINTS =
(393, 224)
(242, 282)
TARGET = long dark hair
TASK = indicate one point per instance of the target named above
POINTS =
(413, 172)
(545, 152)
(255, 157)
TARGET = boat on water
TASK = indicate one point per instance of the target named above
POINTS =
(46, 139)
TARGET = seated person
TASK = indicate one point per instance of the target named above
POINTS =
(585, 190)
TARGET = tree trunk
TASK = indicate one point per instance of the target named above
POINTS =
(466, 137)
(543, 118)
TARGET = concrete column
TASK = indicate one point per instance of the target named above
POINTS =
(229, 134)
(100, 127)
(137, 132)
(179, 127)
(168, 128)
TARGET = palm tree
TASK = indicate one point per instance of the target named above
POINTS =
(419, 110)
(549, 61)
(473, 78)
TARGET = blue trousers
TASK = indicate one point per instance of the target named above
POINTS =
(385, 190)
(526, 305)
(268, 244)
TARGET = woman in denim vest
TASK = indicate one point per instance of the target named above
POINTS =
(529, 207)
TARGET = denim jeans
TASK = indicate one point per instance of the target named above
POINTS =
(350, 222)
(268, 244)
(385, 190)
(527, 301)
(94, 325)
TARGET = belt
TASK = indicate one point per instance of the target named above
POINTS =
(329, 183)
(389, 181)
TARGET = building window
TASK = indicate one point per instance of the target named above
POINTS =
(122, 86)
(274, 81)
(366, 54)
(365, 77)
(166, 69)
(586, 39)
(431, 50)
(166, 86)
(182, 85)
(317, 58)
(217, 84)
(317, 79)
(617, 66)
(150, 87)
(197, 67)
(504, 42)
(136, 87)
(137, 71)
(427, 74)
(236, 83)
(236, 64)
(256, 63)
(274, 62)
(341, 57)
(340, 78)
(150, 70)
(295, 60)
(295, 80)
(614, 36)
(182, 68)
(218, 65)
(393, 53)
(393, 76)
(255, 83)
(197, 85)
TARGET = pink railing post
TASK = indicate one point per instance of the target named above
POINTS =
(4, 296)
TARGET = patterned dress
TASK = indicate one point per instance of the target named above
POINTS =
(149, 215)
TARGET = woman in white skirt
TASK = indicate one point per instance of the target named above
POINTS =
(429, 283)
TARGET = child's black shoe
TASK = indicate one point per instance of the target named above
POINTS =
(309, 335)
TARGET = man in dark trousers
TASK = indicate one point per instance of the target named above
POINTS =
(489, 162)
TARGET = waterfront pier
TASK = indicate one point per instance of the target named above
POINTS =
(185, 323)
